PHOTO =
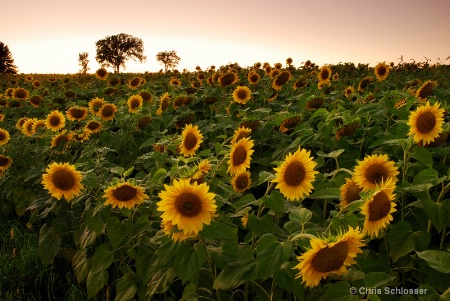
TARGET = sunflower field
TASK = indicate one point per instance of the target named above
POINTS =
(270, 182)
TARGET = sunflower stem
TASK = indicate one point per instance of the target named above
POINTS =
(444, 233)
(211, 267)
(405, 160)
(324, 213)
(272, 290)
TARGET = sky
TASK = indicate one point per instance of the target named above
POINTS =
(46, 36)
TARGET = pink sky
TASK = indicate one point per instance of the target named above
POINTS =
(46, 36)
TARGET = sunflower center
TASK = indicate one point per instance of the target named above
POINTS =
(2, 136)
(61, 140)
(55, 120)
(242, 135)
(136, 81)
(242, 181)
(330, 259)
(352, 194)
(63, 180)
(375, 173)
(239, 155)
(4, 161)
(227, 79)
(241, 94)
(134, 103)
(282, 78)
(254, 78)
(294, 174)
(379, 207)
(164, 104)
(324, 74)
(190, 141)
(77, 113)
(381, 71)
(124, 193)
(107, 111)
(188, 204)
(426, 122)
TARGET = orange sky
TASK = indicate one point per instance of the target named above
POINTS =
(46, 36)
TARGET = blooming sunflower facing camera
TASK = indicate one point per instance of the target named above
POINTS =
(329, 256)
(62, 180)
(124, 195)
(426, 123)
(295, 175)
(192, 138)
(373, 170)
(240, 156)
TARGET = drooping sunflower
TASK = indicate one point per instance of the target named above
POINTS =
(202, 169)
(273, 96)
(253, 77)
(377, 210)
(163, 103)
(241, 181)
(96, 104)
(134, 103)
(146, 96)
(426, 123)
(183, 121)
(20, 94)
(314, 103)
(107, 111)
(289, 61)
(241, 132)
(70, 94)
(94, 126)
(426, 89)
(281, 79)
(363, 83)
(295, 175)
(134, 83)
(27, 128)
(192, 138)
(5, 162)
(381, 71)
(101, 74)
(76, 113)
(275, 72)
(188, 206)
(55, 121)
(174, 233)
(240, 156)
(300, 83)
(289, 123)
(242, 94)
(35, 101)
(20, 123)
(331, 256)
(228, 79)
(349, 91)
(38, 125)
(4, 136)
(175, 82)
(324, 74)
(349, 193)
(62, 180)
(373, 170)
(61, 140)
(124, 195)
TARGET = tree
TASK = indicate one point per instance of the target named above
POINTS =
(6, 60)
(170, 59)
(83, 61)
(114, 51)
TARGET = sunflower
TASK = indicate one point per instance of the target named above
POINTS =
(281, 79)
(124, 195)
(257, 65)
(377, 210)
(134, 103)
(289, 123)
(314, 103)
(101, 74)
(426, 123)
(240, 156)
(20, 93)
(202, 169)
(163, 103)
(61, 140)
(329, 257)
(349, 193)
(241, 181)
(363, 83)
(426, 89)
(5, 162)
(9, 92)
(289, 61)
(267, 69)
(187, 206)
(324, 74)
(27, 128)
(275, 73)
(29, 78)
(251, 124)
(81, 135)
(96, 104)
(36, 101)
(2, 117)
(242, 94)
(76, 113)
(373, 170)
(273, 96)
(381, 71)
(192, 138)
(300, 83)
(107, 111)
(174, 233)
(55, 121)
(440, 140)
(241, 132)
(134, 83)
(4, 136)
(183, 121)
(114, 81)
(36, 84)
(296, 174)
(228, 79)
(146, 96)
(244, 220)
(349, 91)
(253, 77)
(62, 180)
(39, 124)
(336, 76)
(347, 129)
(93, 126)
(70, 94)
(20, 123)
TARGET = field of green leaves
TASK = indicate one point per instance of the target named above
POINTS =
(269, 182)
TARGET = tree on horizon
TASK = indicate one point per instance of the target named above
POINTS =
(6, 60)
(83, 61)
(169, 59)
(113, 51)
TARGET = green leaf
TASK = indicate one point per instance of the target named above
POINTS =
(377, 279)
(161, 281)
(118, 170)
(424, 156)
(102, 259)
(426, 176)
(264, 176)
(116, 231)
(220, 229)
(190, 293)
(438, 260)
(81, 265)
(271, 254)
(339, 291)
(246, 200)
(159, 175)
(96, 281)
(87, 237)
(326, 193)
(403, 240)
(49, 244)
(231, 278)
(275, 202)
(126, 288)
(188, 260)
(437, 213)
(128, 172)
(301, 215)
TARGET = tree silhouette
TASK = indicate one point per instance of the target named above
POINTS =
(114, 51)
(170, 59)
(6, 60)
(83, 61)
